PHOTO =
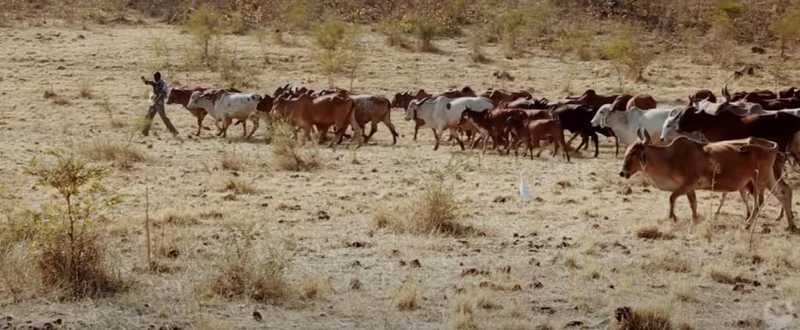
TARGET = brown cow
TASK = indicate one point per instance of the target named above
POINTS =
(322, 112)
(401, 100)
(534, 131)
(373, 109)
(454, 94)
(684, 166)
(592, 100)
(642, 101)
(500, 95)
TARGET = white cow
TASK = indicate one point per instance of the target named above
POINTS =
(224, 107)
(442, 113)
(627, 124)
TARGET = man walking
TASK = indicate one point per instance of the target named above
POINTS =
(159, 97)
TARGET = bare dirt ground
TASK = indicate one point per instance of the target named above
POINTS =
(567, 259)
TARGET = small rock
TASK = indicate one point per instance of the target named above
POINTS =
(355, 284)
(257, 316)
(415, 263)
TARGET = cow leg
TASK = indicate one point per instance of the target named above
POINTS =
(574, 135)
(372, 129)
(255, 126)
(244, 128)
(784, 193)
(323, 133)
(722, 202)
(225, 124)
(455, 135)
(435, 136)
(416, 129)
(596, 145)
(693, 204)
(672, 198)
(200, 117)
(388, 122)
(616, 147)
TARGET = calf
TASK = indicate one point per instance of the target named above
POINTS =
(373, 109)
(226, 106)
(685, 166)
(533, 131)
(578, 119)
(492, 124)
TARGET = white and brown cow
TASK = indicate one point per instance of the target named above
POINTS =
(225, 106)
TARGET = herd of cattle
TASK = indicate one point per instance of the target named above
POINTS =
(738, 145)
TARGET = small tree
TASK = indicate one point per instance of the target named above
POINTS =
(205, 24)
(339, 50)
(787, 28)
(629, 56)
(79, 266)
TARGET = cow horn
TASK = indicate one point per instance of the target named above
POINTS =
(646, 136)
(726, 93)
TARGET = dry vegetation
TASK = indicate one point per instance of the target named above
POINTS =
(125, 231)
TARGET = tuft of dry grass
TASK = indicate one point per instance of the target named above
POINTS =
(669, 261)
(725, 275)
(85, 89)
(463, 317)
(121, 155)
(683, 291)
(313, 287)
(436, 211)
(643, 319)
(61, 100)
(653, 233)
(407, 297)
(232, 161)
(247, 269)
(286, 152)
(50, 93)
(238, 186)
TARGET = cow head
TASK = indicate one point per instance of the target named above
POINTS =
(203, 100)
(636, 156)
(669, 130)
(413, 107)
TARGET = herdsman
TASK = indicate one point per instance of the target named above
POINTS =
(158, 98)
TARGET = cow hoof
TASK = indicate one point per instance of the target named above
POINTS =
(793, 230)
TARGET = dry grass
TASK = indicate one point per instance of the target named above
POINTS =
(725, 275)
(85, 89)
(314, 287)
(667, 260)
(407, 297)
(463, 317)
(256, 271)
(643, 319)
(434, 212)
(122, 155)
(286, 152)
(683, 291)
(232, 161)
(653, 233)
(238, 186)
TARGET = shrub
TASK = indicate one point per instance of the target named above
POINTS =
(642, 319)
(574, 40)
(251, 268)
(407, 296)
(394, 30)
(123, 156)
(314, 287)
(159, 55)
(426, 29)
(787, 28)
(85, 89)
(339, 50)
(434, 211)
(511, 24)
(629, 56)
(205, 24)
(232, 161)
(286, 153)
(73, 256)
(298, 13)
(231, 73)
(476, 41)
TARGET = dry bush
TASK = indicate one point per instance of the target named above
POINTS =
(725, 275)
(205, 24)
(575, 40)
(232, 161)
(298, 14)
(338, 49)
(19, 278)
(395, 30)
(233, 74)
(426, 29)
(476, 41)
(238, 186)
(314, 287)
(250, 268)
(122, 155)
(643, 319)
(159, 55)
(511, 24)
(787, 28)
(653, 233)
(286, 151)
(435, 211)
(463, 315)
(630, 56)
(85, 89)
(72, 255)
(667, 260)
(407, 297)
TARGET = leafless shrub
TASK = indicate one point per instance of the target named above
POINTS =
(286, 152)
(642, 319)
(122, 155)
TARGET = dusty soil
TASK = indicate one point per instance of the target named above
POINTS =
(568, 258)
